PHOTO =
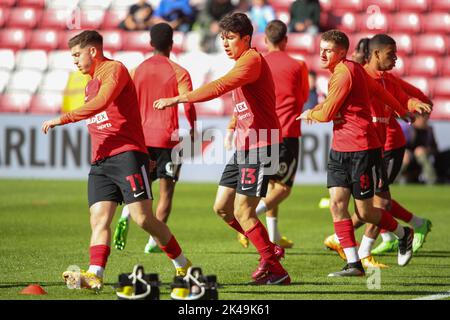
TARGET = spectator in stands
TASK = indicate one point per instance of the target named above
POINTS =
(361, 53)
(208, 21)
(313, 97)
(305, 16)
(261, 13)
(139, 17)
(177, 13)
(421, 148)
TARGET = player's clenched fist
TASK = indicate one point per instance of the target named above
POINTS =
(47, 125)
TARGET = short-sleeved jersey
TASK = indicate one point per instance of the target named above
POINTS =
(290, 77)
(251, 83)
(155, 78)
(111, 112)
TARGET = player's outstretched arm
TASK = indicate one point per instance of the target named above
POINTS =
(48, 124)
(163, 103)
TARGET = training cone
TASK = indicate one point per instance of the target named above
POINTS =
(33, 289)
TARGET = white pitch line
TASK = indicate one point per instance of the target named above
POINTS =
(438, 296)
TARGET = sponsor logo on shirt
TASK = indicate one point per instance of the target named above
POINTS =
(98, 118)
(241, 107)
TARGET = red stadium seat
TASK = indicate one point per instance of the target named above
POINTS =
(384, 5)
(137, 40)
(55, 18)
(258, 42)
(345, 21)
(14, 38)
(423, 66)
(113, 18)
(440, 5)
(23, 18)
(7, 3)
(92, 19)
(445, 66)
(405, 22)
(352, 5)
(15, 102)
(31, 3)
(431, 44)
(404, 43)
(44, 39)
(281, 4)
(325, 5)
(414, 5)
(4, 14)
(441, 87)
(301, 42)
(112, 40)
(437, 22)
(375, 23)
(420, 82)
(46, 103)
(441, 109)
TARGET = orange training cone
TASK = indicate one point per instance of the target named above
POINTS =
(33, 289)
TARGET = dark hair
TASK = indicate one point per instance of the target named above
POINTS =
(380, 41)
(276, 31)
(338, 37)
(312, 73)
(363, 48)
(237, 23)
(161, 36)
(85, 38)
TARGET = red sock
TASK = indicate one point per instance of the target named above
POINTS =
(260, 238)
(387, 222)
(99, 255)
(236, 226)
(399, 212)
(345, 233)
(172, 248)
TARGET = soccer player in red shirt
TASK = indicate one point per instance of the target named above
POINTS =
(159, 77)
(291, 89)
(245, 178)
(356, 149)
(119, 170)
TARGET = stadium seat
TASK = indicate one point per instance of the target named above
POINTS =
(437, 22)
(131, 59)
(31, 3)
(7, 3)
(414, 5)
(405, 22)
(95, 4)
(258, 42)
(325, 5)
(4, 79)
(445, 65)
(301, 42)
(65, 36)
(92, 19)
(423, 66)
(112, 40)
(60, 60)
(440, 5)
(54, 80)
(313, 63)
(376, 23)
(15, 102)
(345, 21)
(23, 18)
(431, 44)
(62, 4)
(353, 5)
(137, 41)
(46, 103)
(44, 39)
(441, 109)
(55, 18)
(385, 6)
(32, 59)
(441, 87)
(113, 18)
(25, 80)
(7, 59)
(283, 16)
(13, 38)
(178, 42)
(401, 66)
(4, 14)
(420, 82)
(404, 43)
(278, 5)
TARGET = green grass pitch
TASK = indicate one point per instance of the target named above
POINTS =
(44, 228)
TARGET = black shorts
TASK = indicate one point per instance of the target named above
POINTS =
(123, 177)
(248, 172)
(356, 171)
(162, 165)
(393, 160)
(287, 169)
